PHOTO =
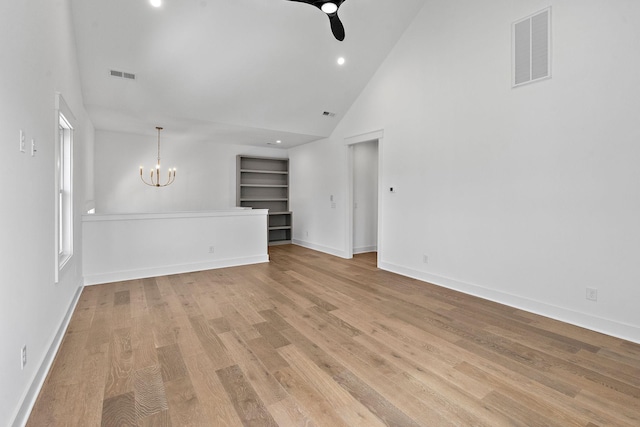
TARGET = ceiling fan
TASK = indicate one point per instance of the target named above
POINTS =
(330, 7)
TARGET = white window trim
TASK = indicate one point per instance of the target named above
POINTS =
(62, 110)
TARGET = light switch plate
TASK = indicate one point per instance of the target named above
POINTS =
(22, 147)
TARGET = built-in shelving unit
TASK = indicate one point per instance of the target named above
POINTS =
(263, 183)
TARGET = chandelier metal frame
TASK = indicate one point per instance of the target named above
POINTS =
(172, 172)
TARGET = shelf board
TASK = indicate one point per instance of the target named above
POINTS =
(264, 171)
(280, 213)
(279, 242)
(264, 199)
(265, 185)
(280, 227)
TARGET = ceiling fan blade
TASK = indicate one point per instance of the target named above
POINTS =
(336, 26)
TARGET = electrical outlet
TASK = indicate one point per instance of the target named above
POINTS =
(425, 259)
(592, 294)
(33, 148)
(212, 249)
(23, 357)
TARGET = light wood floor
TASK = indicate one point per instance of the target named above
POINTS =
(314, 340)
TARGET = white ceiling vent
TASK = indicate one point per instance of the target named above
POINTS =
(328, 114)
(531, 55)
(122, 74)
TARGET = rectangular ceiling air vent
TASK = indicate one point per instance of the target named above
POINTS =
(328, 114)
(531, 58)
(122, 74)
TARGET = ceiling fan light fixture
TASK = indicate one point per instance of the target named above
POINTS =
(329, 8)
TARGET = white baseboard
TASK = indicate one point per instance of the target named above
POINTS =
(22, 416)
(320, 248)
(365, 249)
(118, 276)
(598, 324)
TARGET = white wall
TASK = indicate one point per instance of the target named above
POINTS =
(365, 197)
(525, 196)
(318, 171)
(205, 179)
(37, 59)
(133, 246)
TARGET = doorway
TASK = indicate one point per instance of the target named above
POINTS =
(364, 167)
(365, 197)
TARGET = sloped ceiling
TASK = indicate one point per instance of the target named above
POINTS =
(232, 71)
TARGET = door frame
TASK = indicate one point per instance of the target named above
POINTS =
(349, 144)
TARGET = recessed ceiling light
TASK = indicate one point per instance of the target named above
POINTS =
(341, 61)
(329, 8)
(156, 3)
(278, 142)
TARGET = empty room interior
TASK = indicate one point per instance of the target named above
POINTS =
(320, 213)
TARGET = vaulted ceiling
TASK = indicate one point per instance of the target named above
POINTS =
(233, 71)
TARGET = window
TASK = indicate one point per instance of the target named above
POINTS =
(64, 185)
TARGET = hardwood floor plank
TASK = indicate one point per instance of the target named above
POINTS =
(119, 411)
(314, 340)
(267, 354)
(65, 369)
(159, 419)
(615, 412)
(263, 382)
(162, 324)
(216, 404)
(211, 343)
(88, 410)
(171, 363)
(247, 311)
(275, 320)
(208, 304)
(271, 335)
(220, 325)
(142, 342)
(150, 396)
(288, 412)
(186, 337)
(349, 407)
(547, 403)
(321, 412)
(371, 399)
(238, 323)
(120, 375)
(185, 408)
(248, 405)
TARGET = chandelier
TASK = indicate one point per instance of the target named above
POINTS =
(172, 172)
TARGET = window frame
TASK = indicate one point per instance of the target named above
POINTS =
(63, 169)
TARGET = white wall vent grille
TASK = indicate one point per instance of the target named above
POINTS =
(531, 47)
(122, 74)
